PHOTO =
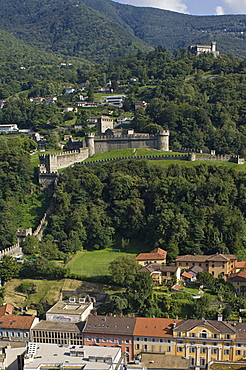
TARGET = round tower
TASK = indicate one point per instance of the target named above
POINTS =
(163, 140)
(90, 144)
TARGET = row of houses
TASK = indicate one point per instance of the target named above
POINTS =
(70, 323)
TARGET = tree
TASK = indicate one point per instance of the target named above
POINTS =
(139, 293)
(9, 269)
(206, 279)
(123, 270)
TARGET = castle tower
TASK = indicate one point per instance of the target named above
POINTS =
(90, 144)
(163, 140)
(213, 46)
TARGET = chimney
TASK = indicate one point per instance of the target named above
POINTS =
(220, 317)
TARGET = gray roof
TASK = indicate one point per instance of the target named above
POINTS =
(196, 269)
(220, 326)
(161, 361)
(151, 267)
(59, 326)
(110, 325)
(205, 258)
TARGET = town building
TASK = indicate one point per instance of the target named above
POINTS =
(114, 100)
(197, 49)
(41, 356)
(74, 310)
(157, 255)
(110, 331)
(203, 341)
(15, 327)
(216, 264)
(162, 274)
(104, 123)
(63, 333)
(153, 335)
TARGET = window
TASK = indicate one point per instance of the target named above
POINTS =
(203, 362)
(238, 352)
(212, 272)
(192, 361)
(161, 340)
(153, 339)
(215, 336)
(228, 336)
(180, 349)
(215, 344)
(203, 350)
(13, 334)
(204, 343)
(137, 339)
(146, 339)
(192, 350)
(213, 265)
(203, 334)
(169, 349)
(127, 341)
(226, 351)
(180, 334)
(214, 351)
(145, 347)
(127, 349)
(200, 264)
(192, 335)
(137, 346)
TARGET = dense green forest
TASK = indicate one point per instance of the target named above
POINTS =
(182, 210)
(102, 30)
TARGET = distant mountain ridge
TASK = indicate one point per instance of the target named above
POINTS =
(100, 30)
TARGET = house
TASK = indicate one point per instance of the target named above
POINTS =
(41, 356)
(51, 99)
(239, 283)
(110, 331)
(114, 100)
(162, 274)
(69, 90)
(62, 333)
(216, 264)
(240, 266)
(124, 119)
(157, 255)
(140, 104)
(200, 49)
(189, 276)
(153, 335)
(74, 310)
(39, 99)
(2, 103)
(69, 109)
(9, 128)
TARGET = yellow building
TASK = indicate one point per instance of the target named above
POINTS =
(216, 264)
(199, 341)
(239, 283)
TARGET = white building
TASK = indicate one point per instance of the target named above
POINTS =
(41, 356)
(114, 100)
(70, 311)
(9, 128)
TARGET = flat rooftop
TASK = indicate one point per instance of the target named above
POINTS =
(69, 308)
(44, 356)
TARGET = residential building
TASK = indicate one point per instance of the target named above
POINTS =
(64, 333)
(51, 99)
(239, 283)
(9, 128)
(38, 99)
(124, 120)
(240, 266)
(69, 109)
(41, 356)
(110, 331)
(74, 310)
(140, 104)
(114, 100)
(157, 255)
(11, 354)
(197, 49)
(216, 264)
(161, 274)
(69, 90)
(154, 335)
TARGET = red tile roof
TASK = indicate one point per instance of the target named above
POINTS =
(156, 254)
(241, 265)
(187, 275)
(6, 309)
(241, 276)
(154, 327)
(16, 322)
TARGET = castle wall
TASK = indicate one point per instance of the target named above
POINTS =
(105, 144)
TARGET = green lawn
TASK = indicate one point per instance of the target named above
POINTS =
(237, 167)
(35, 157)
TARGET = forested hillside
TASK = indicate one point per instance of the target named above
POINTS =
(183, 210)
(102, 30)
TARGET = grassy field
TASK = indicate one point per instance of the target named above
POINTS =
(47, 290)
(237, 167)
(128, 153)
(35, 157)
(96, 263)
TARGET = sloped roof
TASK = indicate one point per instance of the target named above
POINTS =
(6, 309)
(156, 254)
(220, 326)
(155, 327)
(187, 275)
(196, 269)
(240, 264)
(59, 326)
(205, 258)
(16, 322)
(110, 325)
(241, 276)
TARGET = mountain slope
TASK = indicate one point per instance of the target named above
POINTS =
(174, 30)
(68, 27)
